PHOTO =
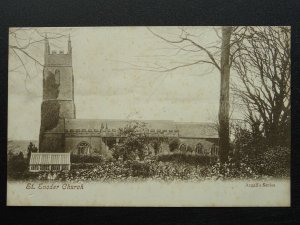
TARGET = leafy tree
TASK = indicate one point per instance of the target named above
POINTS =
(156, 143)
(134, 142)
(174, 144)
(16, 166)
(109, 141)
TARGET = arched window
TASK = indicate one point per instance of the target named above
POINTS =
(182, 148)
(214, 150)
(83, 148)
(189, 149)
(199, 149)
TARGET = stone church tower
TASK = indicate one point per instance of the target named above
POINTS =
(58, 98)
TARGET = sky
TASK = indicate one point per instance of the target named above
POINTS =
(116, 77)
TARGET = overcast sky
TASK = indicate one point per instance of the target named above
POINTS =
(111, 78)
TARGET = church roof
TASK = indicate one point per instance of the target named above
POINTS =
(196, 130)
(50, 159)
(187, 130)
(115, 124)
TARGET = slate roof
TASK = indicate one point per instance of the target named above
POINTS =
(188, 130)
(115, 124)
(50, 159)
(197, 130)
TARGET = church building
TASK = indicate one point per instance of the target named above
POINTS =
(62, 132)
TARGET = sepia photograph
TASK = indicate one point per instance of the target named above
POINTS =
(149, 116)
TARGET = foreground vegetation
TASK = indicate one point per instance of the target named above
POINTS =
(251, 157)
(170, 167)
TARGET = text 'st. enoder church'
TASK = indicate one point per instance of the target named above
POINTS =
(62, 132)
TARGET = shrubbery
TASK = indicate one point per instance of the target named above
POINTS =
(134, 145)
(253, 150)
(174, 144)
(134, 170)
(274, 161)
(17, 166)
(233, 170)
(86, 158)
(183, 158)
(252, 158)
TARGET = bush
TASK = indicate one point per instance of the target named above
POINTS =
(76, 166)
(86, 158)
(174, 144)
(17, 166)
(140, 169)
(134, 144)
(247, 144)
(156, 146)
(186, 159)
(232, 170)
(123, 152)
(275, 161)
(253, 150)
(130, 171)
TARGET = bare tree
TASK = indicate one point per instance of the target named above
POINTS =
(224, 144)
(263, 65)
(26, 48)
(219, 57)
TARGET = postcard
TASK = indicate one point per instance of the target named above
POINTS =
(149, 116)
